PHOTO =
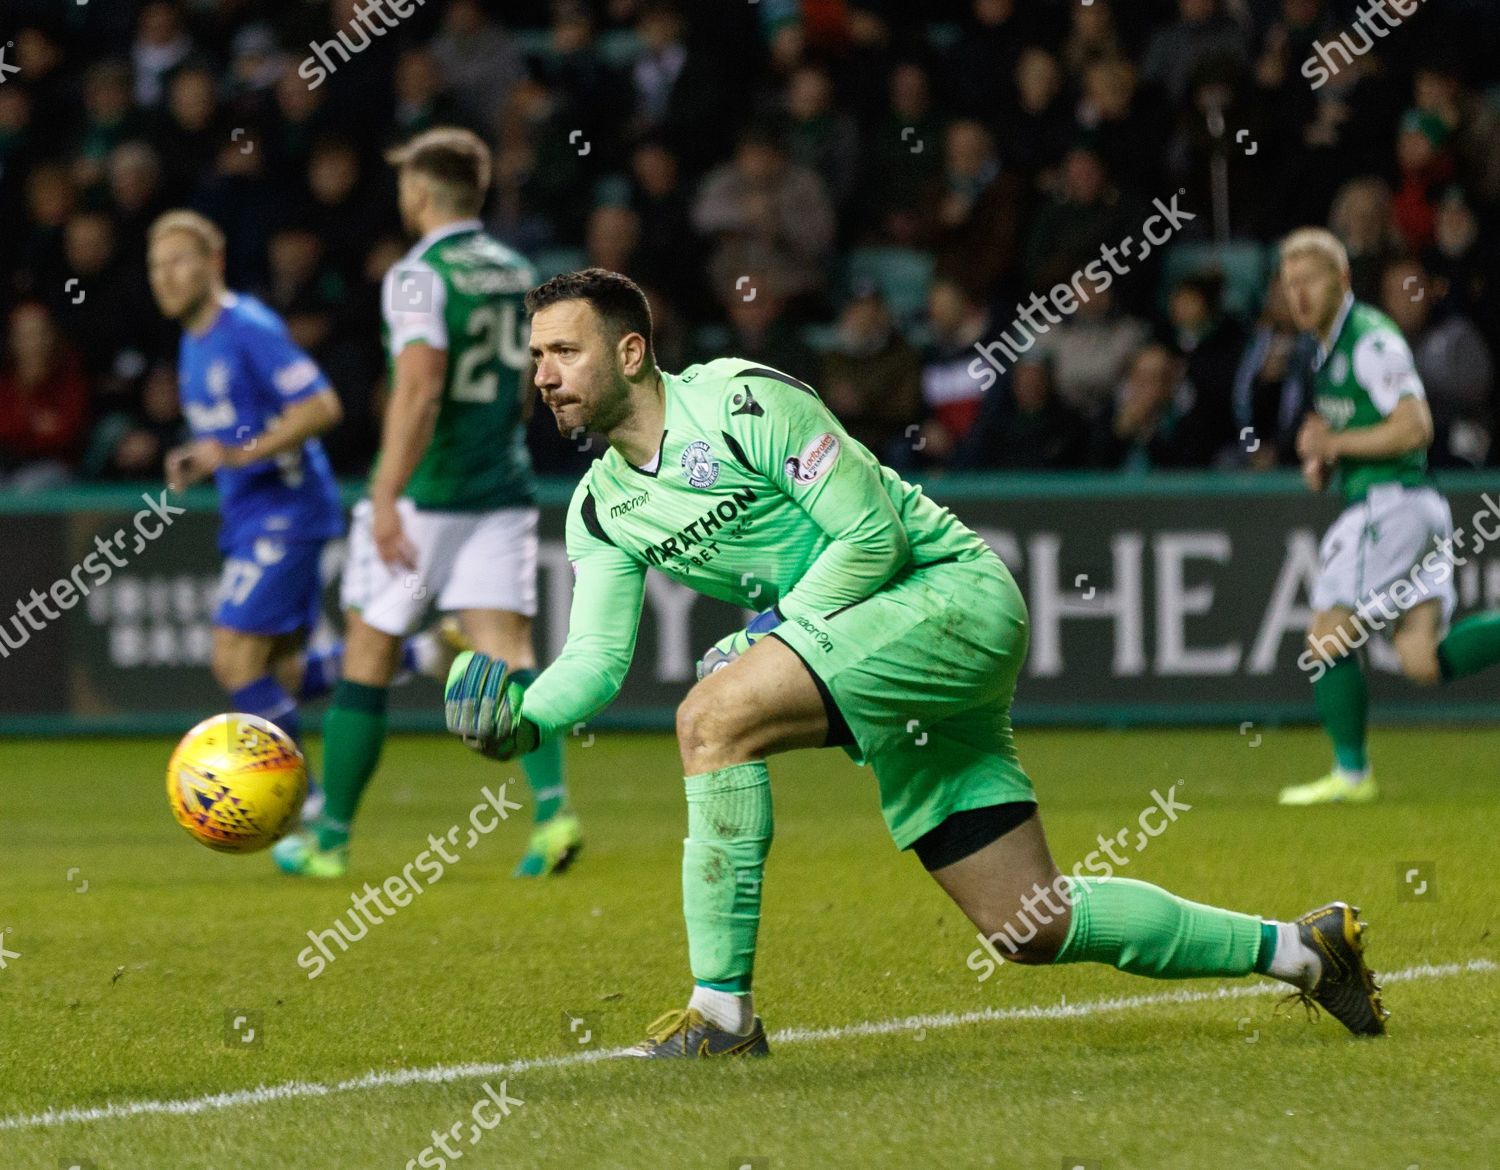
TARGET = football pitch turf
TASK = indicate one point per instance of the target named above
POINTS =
(149, 985)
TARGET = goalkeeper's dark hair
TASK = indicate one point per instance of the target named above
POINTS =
(618, 300)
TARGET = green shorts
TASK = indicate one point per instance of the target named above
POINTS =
(922, 672)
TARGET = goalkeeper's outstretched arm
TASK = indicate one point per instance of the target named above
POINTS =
(609, 588)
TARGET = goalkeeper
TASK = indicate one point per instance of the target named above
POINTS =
(887, 628)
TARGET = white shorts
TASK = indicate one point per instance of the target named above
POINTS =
(1382, 556)
(465, 560)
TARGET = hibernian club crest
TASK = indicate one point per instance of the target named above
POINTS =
(699, 465)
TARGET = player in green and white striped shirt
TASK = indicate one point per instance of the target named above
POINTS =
(1386, 564)
(451, 519)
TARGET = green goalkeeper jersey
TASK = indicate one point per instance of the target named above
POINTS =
(758, 497)
(461, 290)
(1359, 379)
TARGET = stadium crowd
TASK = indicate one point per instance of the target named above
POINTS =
(857, 193)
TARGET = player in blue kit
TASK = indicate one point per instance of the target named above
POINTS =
(256, 405)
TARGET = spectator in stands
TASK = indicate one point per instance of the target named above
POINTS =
(108, 119)
(16, 148)
(670, 255)
(132, 441)
(299, 119)
(161, 45)
(1452, 359)
(1283, 93)
(1085, 210)
(1271, 384)
(764, 213)
(1092, 36)
(135, 193)
(103, 305)
(346, 207)
(39, 58)
(194, 130)
(44, 400)
(680, 92)
(480, 61)
(304, 292)
(903, 156)
(1024, 426)
(978, 69)
(1438, 88)
(1121, 125)
(541, 194)
(1036, 135)
(256, 63)
(760, 328)
(1361, 218)
(422, 101)
(1202, 38)
(1087, 354)
(1426, 164)
(1151, 424)
(970, 215)
(1463, 257)
(872, 378)
(951, 394)
(51, 200)
(1210, 343)
(614, 235)
(120, 107)
(820, 136)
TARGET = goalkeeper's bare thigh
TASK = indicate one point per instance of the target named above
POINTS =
(764, 702)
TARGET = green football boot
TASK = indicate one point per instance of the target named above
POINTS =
(1346, 988)
(554, 845)
(298, 854)
(1331, 789)
(685, 1034)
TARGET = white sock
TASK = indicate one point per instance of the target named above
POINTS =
(729, 1010)
(1351, 778)
(1294, 961)
(425, 650)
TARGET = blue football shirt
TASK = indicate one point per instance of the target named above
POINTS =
(234, 381)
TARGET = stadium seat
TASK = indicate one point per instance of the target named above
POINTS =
(550, 261)
(619, 47)
(1244, 264)
(902, 275)
(820, 338)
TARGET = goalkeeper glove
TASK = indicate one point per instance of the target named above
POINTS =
(482, 705)
(726, 650)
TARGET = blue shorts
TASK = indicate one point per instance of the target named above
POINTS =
(271, 586)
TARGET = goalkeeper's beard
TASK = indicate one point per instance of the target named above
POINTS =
(611, 408)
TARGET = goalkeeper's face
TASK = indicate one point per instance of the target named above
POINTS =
(580, 369)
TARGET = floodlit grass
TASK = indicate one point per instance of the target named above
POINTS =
(128, 991)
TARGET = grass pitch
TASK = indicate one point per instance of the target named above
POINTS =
(138, 989)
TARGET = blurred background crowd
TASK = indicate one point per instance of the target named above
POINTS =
(854, 191)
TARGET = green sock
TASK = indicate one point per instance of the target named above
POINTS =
(1343, 700)
(723, 858)
(1142, 929)
(1470, 646)
(353, 734)
(544, 770)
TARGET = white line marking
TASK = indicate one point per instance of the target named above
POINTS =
(443, 1074)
